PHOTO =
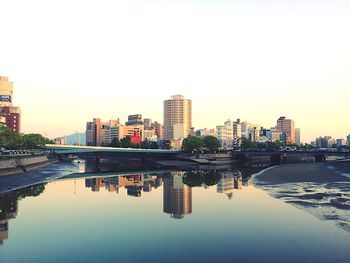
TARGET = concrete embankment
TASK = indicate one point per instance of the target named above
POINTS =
(207, 159)
(23, 164)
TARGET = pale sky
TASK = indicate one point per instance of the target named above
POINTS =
(74, 60)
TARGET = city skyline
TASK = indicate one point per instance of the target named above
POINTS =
(248, 61)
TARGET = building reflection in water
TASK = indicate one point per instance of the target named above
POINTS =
(177, 186)
(177, 197)
(230, 180)
(8, 210)
(9, 206)
(134, 184)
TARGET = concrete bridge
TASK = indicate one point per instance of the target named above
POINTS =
(272, 157)
(105, 152)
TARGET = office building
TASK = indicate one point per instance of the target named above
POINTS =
(158, 130)
(93, 132)
(177, 112)
(341, 142)
(287, 126)
(237, 129)
(76, 138)
(6, 92)
(147, 123)
(224, 133)
(254, 133)
(135, 119)
(325, 142)
(205, 132)
(11, 118)
(348, 140)
(10, 115)
(59, 141)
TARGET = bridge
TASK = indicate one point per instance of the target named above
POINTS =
(97, 152)
(273, 157)
(108, 151)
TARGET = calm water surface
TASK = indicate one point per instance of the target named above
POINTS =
(168, 217)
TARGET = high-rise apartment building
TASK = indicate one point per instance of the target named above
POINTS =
(177, 112)
(287, 126)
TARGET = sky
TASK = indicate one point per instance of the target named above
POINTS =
(72, 60)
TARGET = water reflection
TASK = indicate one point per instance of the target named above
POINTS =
(177, 196)
(9, 206)
(177, 186)
(195, 215)
(177, 190)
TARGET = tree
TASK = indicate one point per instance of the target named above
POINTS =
(191, 143)
(211, 178)
(126, 142)
(146, 144)
(34, 141)
(248, 145)
(211, 142)
(262, 145)
(9, 139)
(115, 143)
(274, 145)
(12, 140)
(198, 178)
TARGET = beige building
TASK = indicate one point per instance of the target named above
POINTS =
(287, 126)
(224, 133)
(276, 135)
(6, 92)
(120, 131)
(177, 110)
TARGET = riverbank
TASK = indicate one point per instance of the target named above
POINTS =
(16, 166)
(321, 189)
(42, 174)
(305, 172)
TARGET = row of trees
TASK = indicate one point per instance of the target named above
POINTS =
(14, 141)
(193, 143)
(126, 143)
(250, 145)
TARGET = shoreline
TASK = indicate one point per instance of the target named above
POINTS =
(17, 166)
(321, 189)
(334, 171)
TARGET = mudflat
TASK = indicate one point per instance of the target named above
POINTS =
(305, 172)
(321, 189)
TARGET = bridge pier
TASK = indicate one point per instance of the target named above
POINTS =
(97, 164)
